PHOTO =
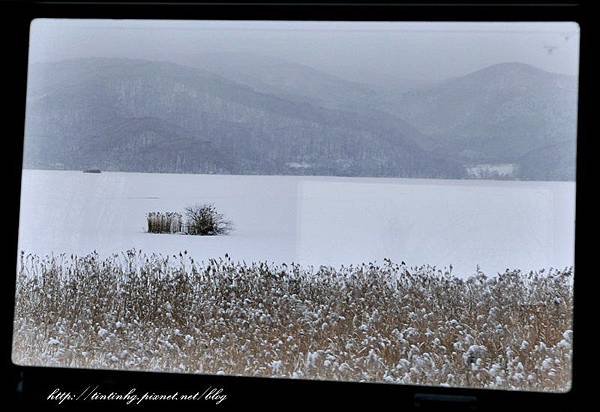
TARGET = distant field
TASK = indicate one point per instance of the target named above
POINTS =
(308, 219)
(376, 323)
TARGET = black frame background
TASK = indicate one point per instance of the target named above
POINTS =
(32, 384)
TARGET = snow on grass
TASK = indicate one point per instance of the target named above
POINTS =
(378, 323)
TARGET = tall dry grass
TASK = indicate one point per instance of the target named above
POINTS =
(202, 220)
(164, 222)
(378, 323)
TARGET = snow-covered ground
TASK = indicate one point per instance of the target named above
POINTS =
(308, 220)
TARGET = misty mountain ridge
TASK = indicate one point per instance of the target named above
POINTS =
(243, 131)
(282, 78)
(497, 114)
(276, 117)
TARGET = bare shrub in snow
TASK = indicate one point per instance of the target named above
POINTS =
(381, 323)
(203, 220)
(206, 220)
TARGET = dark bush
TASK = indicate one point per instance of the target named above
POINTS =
(206, 221)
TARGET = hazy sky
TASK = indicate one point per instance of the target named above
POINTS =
(362, 51)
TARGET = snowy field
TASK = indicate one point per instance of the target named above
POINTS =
(308, 220)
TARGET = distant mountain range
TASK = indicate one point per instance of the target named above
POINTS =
(506, 113)
(238, 114)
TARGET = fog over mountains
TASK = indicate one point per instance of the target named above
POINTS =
(244, 114)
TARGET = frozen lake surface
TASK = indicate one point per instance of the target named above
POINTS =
(309, 220)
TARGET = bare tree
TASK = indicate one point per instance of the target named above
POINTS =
(206, 220)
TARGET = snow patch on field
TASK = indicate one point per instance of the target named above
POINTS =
(308, 220)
